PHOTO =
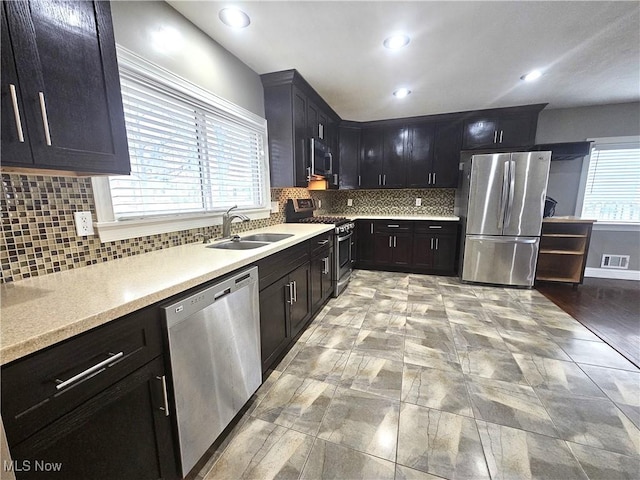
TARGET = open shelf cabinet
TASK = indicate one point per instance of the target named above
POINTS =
(563, 250)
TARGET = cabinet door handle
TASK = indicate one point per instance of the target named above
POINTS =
(393, 226)
(434, 178)
(359, 180)
(290, 286)
(325, 261)
(384, 179)
(308, 174)
(16, 112)
(394, 241)
(437, 243)
(323, 242)
(379, 179)
(435, 226)
(165, 397)
(335, 178)
(295, 291)
(45, 119)
(91, 370)
(431, 243)
(495, 136)
(429, 182)
(371, 228)
(389, 241)
(501, 132)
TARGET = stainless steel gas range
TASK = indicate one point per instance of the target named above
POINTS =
(300, 210)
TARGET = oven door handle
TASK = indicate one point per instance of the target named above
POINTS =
(346, 237)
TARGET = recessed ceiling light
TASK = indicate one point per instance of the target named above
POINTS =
(531, 76)
(401, 92)
(395, 42)
(234, 17)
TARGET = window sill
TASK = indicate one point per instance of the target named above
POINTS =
(125, 229)
(616, 226)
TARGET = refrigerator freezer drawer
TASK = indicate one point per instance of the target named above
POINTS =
(500, 260)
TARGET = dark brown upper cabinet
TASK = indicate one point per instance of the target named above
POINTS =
(61, 102)
(349, 154)
(502, 128)
(371, 158)
(446, 154)
(419, 158)
(296, 113)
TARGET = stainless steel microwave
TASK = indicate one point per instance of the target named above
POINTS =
(321, 159)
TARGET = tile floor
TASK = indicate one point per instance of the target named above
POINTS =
(420, 377)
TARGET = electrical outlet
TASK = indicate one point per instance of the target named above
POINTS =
(418, 202)
(84, 223)
(349, 202)
(275, 207)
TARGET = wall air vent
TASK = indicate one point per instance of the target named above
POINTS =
(610, 260)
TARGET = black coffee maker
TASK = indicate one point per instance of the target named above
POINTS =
(549, 207)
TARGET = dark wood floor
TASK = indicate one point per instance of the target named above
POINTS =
(609, 308)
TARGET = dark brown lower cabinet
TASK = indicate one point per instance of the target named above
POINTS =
(321, 273)
(411, 246)
(301, 302)
(123, 432)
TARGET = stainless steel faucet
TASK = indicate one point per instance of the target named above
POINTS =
(227, 218)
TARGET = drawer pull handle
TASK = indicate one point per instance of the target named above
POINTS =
(323, 242)
(435, 226)
(16, 112)
(98, 366)
(393, 226)
(165, 397)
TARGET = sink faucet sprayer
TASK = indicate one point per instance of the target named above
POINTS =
(227, 218)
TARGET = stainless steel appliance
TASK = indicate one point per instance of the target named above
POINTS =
(214, 349)
(500, 202)
(321, 159)
(300, 210)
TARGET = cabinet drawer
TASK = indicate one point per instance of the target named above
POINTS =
(391, 226)
(436, 227)
(279, 264)
(40, 388)
(320, 243)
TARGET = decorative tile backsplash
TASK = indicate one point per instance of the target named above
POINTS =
(38, 230)
(386, 202)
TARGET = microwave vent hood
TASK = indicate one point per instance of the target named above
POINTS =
(565, 151)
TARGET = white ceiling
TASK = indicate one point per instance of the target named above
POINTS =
(462, 55)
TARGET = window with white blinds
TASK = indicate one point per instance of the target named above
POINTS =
(187, 157)
(612, 189)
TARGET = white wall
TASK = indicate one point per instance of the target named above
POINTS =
(578, 124)
(194, 56)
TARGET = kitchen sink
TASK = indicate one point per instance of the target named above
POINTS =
(266, 237)
(239, 245)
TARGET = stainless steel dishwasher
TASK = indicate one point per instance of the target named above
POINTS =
(214, 346)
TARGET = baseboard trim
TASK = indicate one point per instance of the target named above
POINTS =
(613, 274)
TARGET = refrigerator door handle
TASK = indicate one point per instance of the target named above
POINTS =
(503, 195)
(512, 191)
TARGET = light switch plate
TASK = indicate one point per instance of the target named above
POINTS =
(418, 202)
(349, 202)
(84, 223)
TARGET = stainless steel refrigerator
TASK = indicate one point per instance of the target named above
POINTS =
(500, 202)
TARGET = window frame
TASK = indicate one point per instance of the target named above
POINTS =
(110, 229)
(608, 225)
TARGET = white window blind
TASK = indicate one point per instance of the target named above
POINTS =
(612, 190)
(186, 156)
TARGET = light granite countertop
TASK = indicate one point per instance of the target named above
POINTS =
(436, 218)
(41, 311)
(568, 219)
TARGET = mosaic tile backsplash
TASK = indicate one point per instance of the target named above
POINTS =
(38, 230)
(387, 202)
